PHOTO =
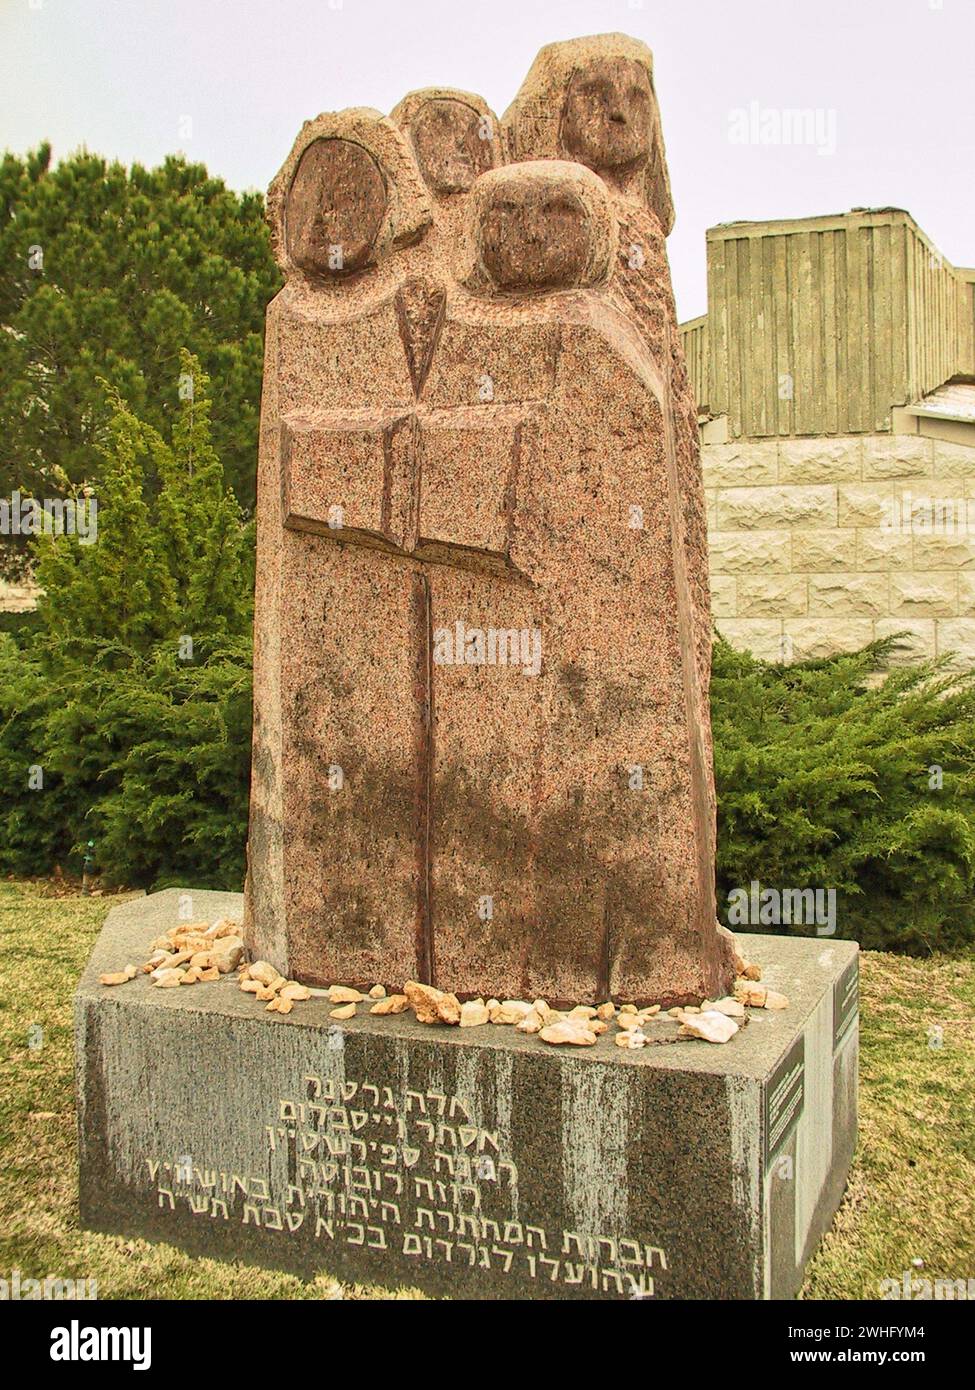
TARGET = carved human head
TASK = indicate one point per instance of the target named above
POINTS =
(593, 100)
(348, 194)
(607, 119)
(541, 226)
(454, 136)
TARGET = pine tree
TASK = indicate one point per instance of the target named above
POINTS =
(117, 591)
(167, 567)
(109, 273)
(133, 698)
(849, 775)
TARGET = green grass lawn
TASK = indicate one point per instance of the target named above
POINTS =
(911, 1193)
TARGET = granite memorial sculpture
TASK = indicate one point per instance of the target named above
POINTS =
(481, 447)
(481, 789)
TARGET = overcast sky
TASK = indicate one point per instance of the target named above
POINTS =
(890, 83)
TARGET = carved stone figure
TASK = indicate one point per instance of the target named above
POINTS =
(339, 661)
(593, 100)
(454, 136)
(569, 798)
(478, 750)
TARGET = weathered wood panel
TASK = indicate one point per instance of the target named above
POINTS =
(820, 326)
(694, 340)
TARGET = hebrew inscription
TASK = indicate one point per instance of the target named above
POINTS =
(351, 1163)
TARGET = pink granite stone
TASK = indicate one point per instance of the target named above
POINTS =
(481, 728)
(593, 100)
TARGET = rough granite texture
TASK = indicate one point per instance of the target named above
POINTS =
(471, 1163)
(593, 100)
(482, 742)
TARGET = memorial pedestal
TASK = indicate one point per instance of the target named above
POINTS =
(468, 1163)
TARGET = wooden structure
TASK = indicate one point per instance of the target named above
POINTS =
(822, 325)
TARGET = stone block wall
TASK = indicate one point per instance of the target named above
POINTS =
(820, 545)
(17, 598)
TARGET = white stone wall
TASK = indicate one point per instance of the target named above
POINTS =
(17, 598)
(819, 545)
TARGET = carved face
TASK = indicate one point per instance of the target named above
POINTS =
(607, 119)
(335, 209)
(535, 236)
(450, 150)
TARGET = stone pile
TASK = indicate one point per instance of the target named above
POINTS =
(187, 955)
(271, 988)
(202, 952)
